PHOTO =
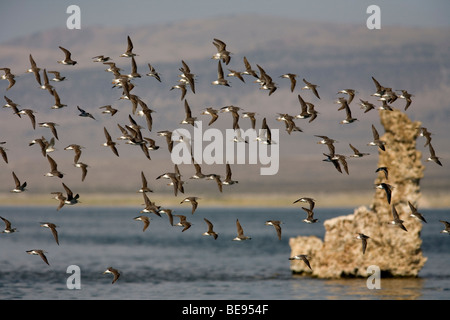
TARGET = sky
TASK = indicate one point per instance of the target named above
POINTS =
(24, 17)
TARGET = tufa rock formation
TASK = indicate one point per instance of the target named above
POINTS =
(396, 252)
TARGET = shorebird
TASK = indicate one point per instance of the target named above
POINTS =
(220, 77)
(349, 118)
(30, 114)
(389, 96)
(39, 252)
(222, 53)
(384, 170)
(150, 206)
(52, 227)
(240, 233)
(108, 109)
(265, 135)
(217, 178)
(277, 225)
(114, 272)
(425, 133)
(228, 180)
(342, 159)
(100, 58)
(237, 74)
(83, 167)
(310, 86)
(53, 169)
(46, 86)
(291, 77)
(34, 68)
(77, 149)
(58, 104)
(446, 227)
(210, 231)
(8, 228)
(415, 213)
(334, 160)
(265, 81)
(134, 73)
(168, 135)
(303, 257)
(182, 87)
(188, 115)
(251, 116)
(67, 59)
(11, 104)
(19, 187)
(145, 220)
(187, 76)
(350, 92)
(308, 200)
(380, 90)
(183, 222)
(433, 156)
(387, 188)
(153, 73)
(289, 122)
(357, 153)
(363, 239)
(4, 154)
(8, 76)
(85, 114)
(144, 187)
(396, 221)
(193, 201)
(61, 198)
(234, 112)
(168, 212)
(175, 180)
(129, 53)
(109, 142)
(376, 139)
(304, 109)
(198, 172)
(328, 142)
(213, 113)
(310, 218)
(46, 146)
(52, 126)
(57, 76)
(70, 199)
(248, 69)
(366, 105)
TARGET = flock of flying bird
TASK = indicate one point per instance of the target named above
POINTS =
(133, 135)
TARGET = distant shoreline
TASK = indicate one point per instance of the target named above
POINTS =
(323, 200)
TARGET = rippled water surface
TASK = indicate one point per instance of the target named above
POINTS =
(165, 263)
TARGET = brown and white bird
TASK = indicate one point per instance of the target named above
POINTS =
(52, 227)
(240, 233)
(109, 142)
(145, 220)
(302, 257)
(19, 187)
(415, 213)
(210, 231)
(193, 201)
(8, 228)
(114, 272)
(396, 219)
(67, 57)
(183, 222)
(129, 52)
(277, 225)
(39, 252)
(311, 86)
(363, 239)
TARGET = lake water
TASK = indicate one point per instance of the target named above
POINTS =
(164, 263)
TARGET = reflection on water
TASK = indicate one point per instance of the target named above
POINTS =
(391, 289)
(356, 288)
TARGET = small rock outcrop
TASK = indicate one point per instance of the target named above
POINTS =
(396, 252)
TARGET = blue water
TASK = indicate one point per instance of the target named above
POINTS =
(165, 263)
